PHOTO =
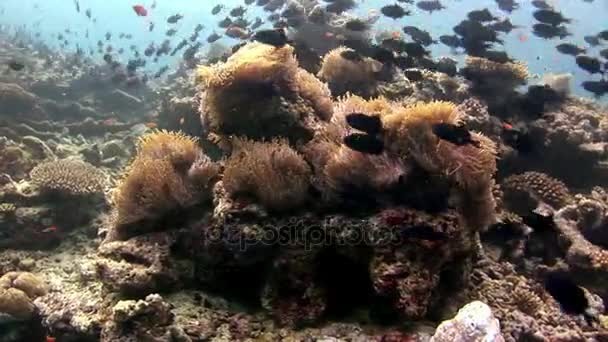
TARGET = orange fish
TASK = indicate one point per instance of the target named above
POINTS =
(140, 10)
(51, 229)
(396, 34)
(151, 125)
(507, 125)
(522, 37)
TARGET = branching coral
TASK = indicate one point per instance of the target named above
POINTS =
(346, 75)
(169, 171)
(67, 176)
(260, 92)
(271, 172)
(534, 187)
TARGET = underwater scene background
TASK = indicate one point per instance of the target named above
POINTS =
(303, 170)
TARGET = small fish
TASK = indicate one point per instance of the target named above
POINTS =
(51, 229)
(589, 64)
(570, 296)
(518, 139)
(339, 6)
(457, 135)
(170, 32)
(604, 53)
(569, 49)
(351, 55)
(430, 5)
(198, 28)
(238, 11)
(394, 11)
(550, 17)
(77, 6)
(108, 35)
(413, 75)
(507, 5)
(503, 26)
(151, 26)
(216, 9)
(237, 32)
(481, 15)
(257, 23)
(213, 37)
(140, 10)
(174, 18)
(541, 4)
(274, 37)
(598, 88)
(452, 41)
(592, 40)
(356, 25)
(16, 66)
(418, 35)
(603, 35)
(364, 143)
(225, 23)
(88, 13)
(548, 31)
(370, 124)
(249, 2)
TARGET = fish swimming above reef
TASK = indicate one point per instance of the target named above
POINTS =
(174, 18)
(570, 296)
(213, 37)
(140, 10)
(370, 124)
(457, 135)
(569, 49)
(483, 15)
(598, 88)
(550, 17)
(339, 6)
(418, 35)
(275, 37)
(238, 11)
(430, 5)
(356, 25)
(590, 64)
(394, 11)
(351, 55)
(216, 9)
(541, 4)
(364, 143)
(548, 31)
(507, 5)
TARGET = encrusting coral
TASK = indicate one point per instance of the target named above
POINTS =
(72, 177)
(17, 291)
(349, 76)
(260, 92)
(271, 172)
(169, 171)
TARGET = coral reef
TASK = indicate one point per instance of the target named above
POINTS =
(287, 102)
(70, 177)
(272, 173)
(17, 291)
(169, 171)
(349, 76)
(474, 322)
(524, 192)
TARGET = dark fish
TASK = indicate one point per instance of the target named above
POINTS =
(174, 18)
(598, 88)
(503, 26)
(190, 52)
(550, 17)
(405, 62)
(339, 6)
(415, 50)
(422, 232)
(589, 64)
(406, 1)
(474, 32)
(179, 46)
(240, 22)
(592, 40)
(216, 9)
(257, 23)
(351, 55)
(457, 135)
(88, 13)
(395, 44)
(541, 4)
(249, 2)
(262, 2)
(518, 139)
(394, 11)
(213, 37)
(507, 5)
(549, 31)
(430, 5)
(225, 23)
(418, 35)
(481, 15)
(150, 50)
(452, 41)
(198, 28)
(274, 37)
(77, 6)
(238, 11)
(382, 55)
(161, 71)
(170, 32)
(364, 143)
(370, 124)
(604, 53)
(274, 17)
(108, 35)
(357, 25)
(496, 56)
(16, 66)
(570, 296)
(569, 49)
(603, 35)
(413, 75)
(107, 58)
(151, 26)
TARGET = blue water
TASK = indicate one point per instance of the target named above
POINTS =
(54, 16)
